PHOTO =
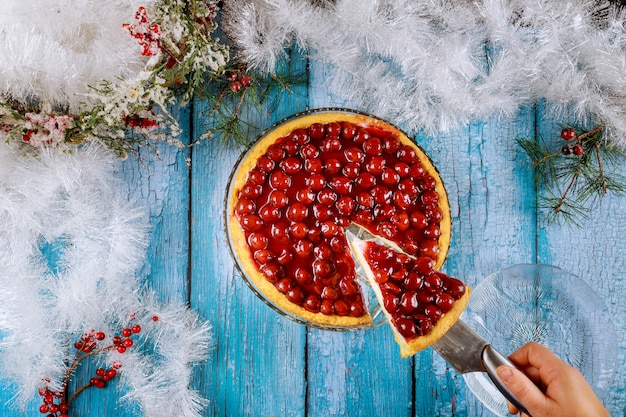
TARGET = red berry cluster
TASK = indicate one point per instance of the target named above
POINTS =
(238, 80)
(569, 134)
(135, 121)
(50, 405)
(56, 404)
(147, 35)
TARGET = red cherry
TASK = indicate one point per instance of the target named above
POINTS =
(272, 272)
(408, 187)
(365, 200)
(423, 324)
(322, 212)
(298, 230)
(413, 281)
(256, 176)
(313, 165)
(390, 144)
(568, 133)
(375, 165)
(300, 136)
(364, 217)
(445, 302)
(346, 205)
(407, 154)
(280, 180)
(284, 257)
(348, 130)
(331, 144)
(351, 170)
(263, 256)
(251, 222)
(305, 195)
(427, 182)
(434, 215)
(402, 169)
(244, 206)
(418, 220)
(356, 309)
(454, 287)
(433, 283)
(406, 327)
(303, 248)
(327, 197)
(349, 287)
(284, 285)
(389, 176)
(278, 198)
(408, 302)
(333, 129)
(381, 194)
(401, 200)
(309, 151)
(327, 307)
(322, 268)
(365, 180)
(264, 164)
(373, 146)
(312, 303)
(257, 240)
(296, 295)
(430, 248)
(316, 131)
(291, 165)
(433, 312)
(279, 231)
(303, 276)
(275, 152)
(341, 184)
(432, 231)
(342, 307)
(430, 198)
(361, 136)
(251, 191)
(316, 182)
(297, 212)
(269, 213)
(354, 154)
(329, 293)
(332, 166)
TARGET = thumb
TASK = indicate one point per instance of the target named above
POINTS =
(524, 389)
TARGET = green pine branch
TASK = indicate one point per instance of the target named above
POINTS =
(574, 175)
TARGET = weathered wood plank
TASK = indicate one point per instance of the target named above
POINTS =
(258, 365)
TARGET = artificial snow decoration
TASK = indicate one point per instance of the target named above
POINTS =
(438, 64)
(56, 49)
(104, 69)
(71, 247)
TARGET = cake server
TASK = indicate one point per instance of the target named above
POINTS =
(460, 346)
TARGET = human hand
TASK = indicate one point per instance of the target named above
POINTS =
(557, 389)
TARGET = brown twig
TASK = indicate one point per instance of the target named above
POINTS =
(597, 146)
(557, 209)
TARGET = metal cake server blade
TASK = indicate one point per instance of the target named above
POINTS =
(460, 346)
(467, 352)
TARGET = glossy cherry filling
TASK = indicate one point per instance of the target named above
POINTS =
(311, 184)
(413, 292)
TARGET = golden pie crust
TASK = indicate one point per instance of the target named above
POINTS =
(237, 236)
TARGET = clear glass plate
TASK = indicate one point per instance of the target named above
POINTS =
(548, 305)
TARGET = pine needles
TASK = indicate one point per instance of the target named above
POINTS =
(574, 178)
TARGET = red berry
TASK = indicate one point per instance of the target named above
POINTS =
(568, 133)
(246, 81)
(333, 129)
(154, 318)
(316, 131)
(100, 372)
(235, 86)
(578, 150)
(445, 302)
(44, 408)
(100, 336)
(406, 327)
(408, 302)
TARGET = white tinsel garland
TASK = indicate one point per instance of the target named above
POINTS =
(70, 248)
(438, 64)
(55, 50)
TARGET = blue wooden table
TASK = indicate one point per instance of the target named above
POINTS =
(263, 364)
